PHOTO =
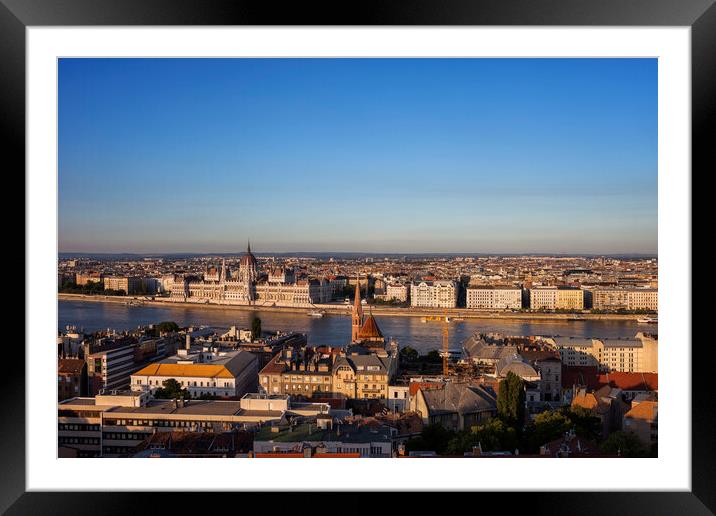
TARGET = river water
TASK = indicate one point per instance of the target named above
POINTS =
(332, 330)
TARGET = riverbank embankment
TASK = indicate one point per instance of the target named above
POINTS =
(344, 309)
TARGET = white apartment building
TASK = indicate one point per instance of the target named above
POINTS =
(398, 398)
(494, 298)
(126, 283)
(556, 298)
(434, 294)
(644, 299)
(397, 292)
(202, 371)
(625, 298)
(637, 355)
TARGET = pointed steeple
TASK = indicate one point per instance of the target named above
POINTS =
(357, 315)
(248, 247)
(357, 307)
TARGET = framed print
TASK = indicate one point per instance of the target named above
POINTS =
(404, 240)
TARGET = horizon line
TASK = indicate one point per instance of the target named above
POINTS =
(419, 253)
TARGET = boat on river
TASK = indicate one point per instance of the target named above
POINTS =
(647, 320)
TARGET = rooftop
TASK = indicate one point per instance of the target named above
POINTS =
(631, 381)
(459, 397)
(224, 364)
(310, 432)
(70, 366)
(646, 410)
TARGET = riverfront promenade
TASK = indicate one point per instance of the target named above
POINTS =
(344, 309)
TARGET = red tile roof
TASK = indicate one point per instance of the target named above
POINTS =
(631, 381)
(591, 378)
(416, 386)
(580, 375)
(274, 366)
(70, 366)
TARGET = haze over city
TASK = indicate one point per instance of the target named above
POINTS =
(358, 155)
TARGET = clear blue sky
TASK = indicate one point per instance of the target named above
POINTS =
(375, 155)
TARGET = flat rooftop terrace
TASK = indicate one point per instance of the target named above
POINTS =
(193, 408)
(310, 432)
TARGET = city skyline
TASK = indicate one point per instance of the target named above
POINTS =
(449, 156)
(345, 254)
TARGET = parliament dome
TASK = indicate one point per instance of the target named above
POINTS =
(248, 259)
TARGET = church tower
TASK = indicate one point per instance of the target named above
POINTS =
(357, 315)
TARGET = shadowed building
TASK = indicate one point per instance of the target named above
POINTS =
(71, 378)
(642, 419)
(456, 406)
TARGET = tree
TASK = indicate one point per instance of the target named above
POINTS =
(255, 328)
(434, 437)
(494, 435)
(624, 444)
(171, 389)
(548, 426)
(94, 286)
(409, 354)
(434, 356)
(166, 327)
(511, 400)
(585, 424)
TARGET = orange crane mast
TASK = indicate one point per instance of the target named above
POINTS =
(446, 334)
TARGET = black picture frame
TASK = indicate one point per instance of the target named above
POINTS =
(700, 15)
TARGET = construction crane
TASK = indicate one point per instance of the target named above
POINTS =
(445, 319)
(446, 347)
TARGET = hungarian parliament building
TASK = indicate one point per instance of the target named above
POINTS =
(246, 287)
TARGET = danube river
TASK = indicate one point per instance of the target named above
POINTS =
(333, 329)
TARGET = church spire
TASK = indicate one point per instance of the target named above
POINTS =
(357, 315)
(356, 303)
